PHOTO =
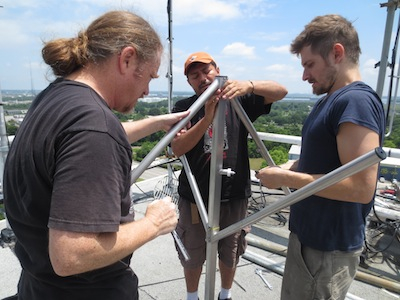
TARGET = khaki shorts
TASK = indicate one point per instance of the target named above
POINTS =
(191, 231)
(314, 274)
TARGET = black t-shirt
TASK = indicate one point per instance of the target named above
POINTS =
(68, 168)
(235, 154)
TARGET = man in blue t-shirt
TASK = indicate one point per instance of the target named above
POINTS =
(327, 229)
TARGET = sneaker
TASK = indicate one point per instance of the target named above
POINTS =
(224, 299)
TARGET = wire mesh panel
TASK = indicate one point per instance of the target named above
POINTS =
(167, 186)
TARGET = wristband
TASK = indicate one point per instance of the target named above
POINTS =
(252, 90)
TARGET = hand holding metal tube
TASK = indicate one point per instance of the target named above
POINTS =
(235, 88)
(271, 177)
(162, 214)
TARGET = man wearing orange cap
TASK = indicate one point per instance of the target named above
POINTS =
(256, 98)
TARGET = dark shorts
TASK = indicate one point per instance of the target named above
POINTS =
(123, 286)
(191, 231)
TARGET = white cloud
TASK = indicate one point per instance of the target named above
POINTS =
(183, 11)
(277, 67)
(191, 11)
(368, 67)
(289, 76)
(255, 8)
(239, 49)
(369, 74)
(14, 35)
(281, 49)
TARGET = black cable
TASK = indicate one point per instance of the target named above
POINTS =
(148, 195)
(385, 226)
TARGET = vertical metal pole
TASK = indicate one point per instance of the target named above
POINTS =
(214, 197)
(391, 7)
(170, 82)
(170, 39)
(4, 142)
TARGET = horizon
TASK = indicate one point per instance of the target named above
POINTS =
(152, 93)
(163, 95)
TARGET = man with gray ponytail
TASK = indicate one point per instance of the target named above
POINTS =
(67, 174)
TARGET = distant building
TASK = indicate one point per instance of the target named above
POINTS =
(294, 152)
(390, 169)
(11, 112)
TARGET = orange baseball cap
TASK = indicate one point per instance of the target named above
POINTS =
(202, 57)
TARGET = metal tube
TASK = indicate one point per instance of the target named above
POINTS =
(174, 130)
(264, 262)
(250, 128)
(216, 164)
(354, 166)
(214, 200)
(170, 39)
(180, 245)
(196, 192)
(3, 143)
(280, 138)
(391, 7)
(391, 111)
(170, 75)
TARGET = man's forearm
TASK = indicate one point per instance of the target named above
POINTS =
(186, 141)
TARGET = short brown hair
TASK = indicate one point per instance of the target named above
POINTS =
(323, 32)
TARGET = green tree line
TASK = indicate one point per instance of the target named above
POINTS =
(286, 117)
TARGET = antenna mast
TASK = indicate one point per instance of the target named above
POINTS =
(170, 38)
(32, 88)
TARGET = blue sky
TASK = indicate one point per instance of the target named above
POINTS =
(249, 39)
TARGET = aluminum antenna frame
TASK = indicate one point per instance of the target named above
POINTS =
(213, 234)
(211, 219)
(151, 156)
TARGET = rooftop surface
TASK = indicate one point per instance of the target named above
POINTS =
(161, 275)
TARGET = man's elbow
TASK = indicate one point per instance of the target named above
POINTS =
(64, 262)
(177, 150)
(62, 268)
(283, 93)
(363, 195)
(178, 153)
(278, 95)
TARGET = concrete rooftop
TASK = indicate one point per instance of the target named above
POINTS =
(161, 276)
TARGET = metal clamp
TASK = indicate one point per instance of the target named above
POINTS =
(227, 172)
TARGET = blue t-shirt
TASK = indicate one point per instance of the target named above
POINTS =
(322, 223)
